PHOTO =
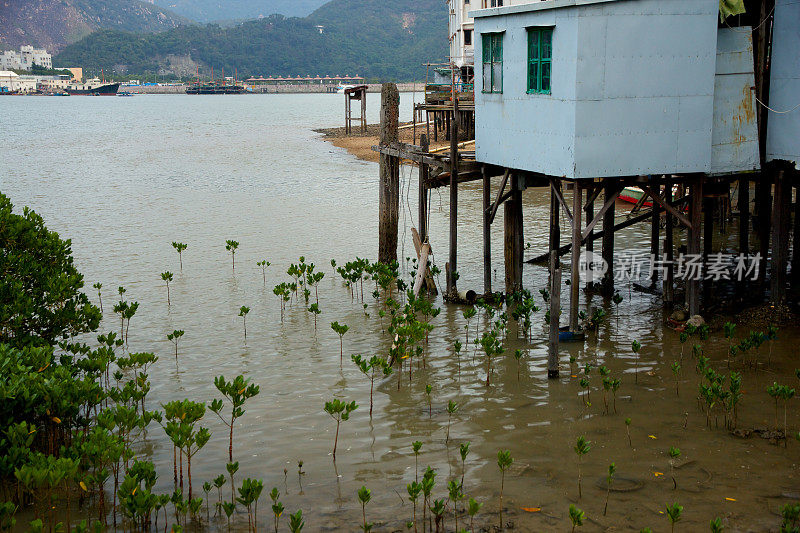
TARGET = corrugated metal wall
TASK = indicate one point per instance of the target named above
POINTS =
(783, 129)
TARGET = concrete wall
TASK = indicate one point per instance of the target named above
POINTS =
(632, 88)
(783, 129)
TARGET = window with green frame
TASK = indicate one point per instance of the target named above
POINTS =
(540, 59)
(492, 62)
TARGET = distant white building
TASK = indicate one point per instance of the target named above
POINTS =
(25, 59)
(462, 27)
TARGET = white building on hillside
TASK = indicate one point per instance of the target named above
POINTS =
(25, 59)
(462, 28)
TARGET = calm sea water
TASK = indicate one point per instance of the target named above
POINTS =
(124, 177)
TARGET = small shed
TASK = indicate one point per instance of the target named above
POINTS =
(603, 88)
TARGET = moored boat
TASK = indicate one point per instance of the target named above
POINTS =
(93, 87)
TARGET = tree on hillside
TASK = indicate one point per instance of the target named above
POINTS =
(40, 289)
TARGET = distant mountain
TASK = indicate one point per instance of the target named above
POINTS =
(383, 39)
(217, 10)
(52, 24)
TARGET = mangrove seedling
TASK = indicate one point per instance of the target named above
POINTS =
(340, 329)
(428, 390)
(771, 335)
(674, 512)
(263, 264)
(339, 410)
(249, 493)
(683, 337)
(576, 515)
(416, 446)
(504, 461)
(472, 509)
(628, 431)
(228, 508)
(428, 481)
(585, 386)
(174, 337)
(790, 513)
(296, 522)
(414, 488)
(716, 525)
(636, 346)
(581, 448)
(207, 488)
(452, 407)
(231, 246)
(232, 468)
(674, 453)
(364, 495)
(454, 490)
(237, 391)
(99, 286)
(314, 308)
(464, 451)
(277, 507)
(437, 508)
(612, 469)
(179, 247)
(369, 369)
(219, 481)
(517, 356)
(243, 310)
(468, 313)
(676, 369)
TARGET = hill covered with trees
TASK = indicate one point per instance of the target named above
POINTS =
(376, 39)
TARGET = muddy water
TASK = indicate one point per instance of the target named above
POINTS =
(125, 177)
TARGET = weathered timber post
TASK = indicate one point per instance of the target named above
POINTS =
(389, 189)
(347, 115)
(610, 188)
(780, 237)
(796, 239)
(764, 217)
(693, 244)
(589, 210)
(744, 216)
(669, 249)
(451, 279)
(423, 190)
(487, 232)
(364, 111)
(555, 283)
(574, 288)
(655, 222)
(512, 211)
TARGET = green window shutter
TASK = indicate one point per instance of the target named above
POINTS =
(540, 53)
(492, 46)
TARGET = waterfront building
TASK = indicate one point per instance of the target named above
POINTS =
(25, 58)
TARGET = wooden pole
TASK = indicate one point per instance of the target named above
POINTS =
(693, 245)
(513, 237)
(487, 232)
(655, 222)
(796, 239)
(347, 115)
(669, 250)
(423, 190)
(451, 288)
(363, 111)
(389, 189)
(744, 216)
(555, 283)
(574, 288)
(780, 237)
(610, 188)
(764, 218)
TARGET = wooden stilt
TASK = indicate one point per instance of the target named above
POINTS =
(764, 218)
(744, 216)
(655, 228)
(796, 238)
(669, 258)
(555, 283)
(364, 112)
(423, 191)
(451, 288)
(693, 245)
(780, 237)
(513, 237)
(487, 233)
(610, 188)
(574, 288)
(708, 243)
(389, 190)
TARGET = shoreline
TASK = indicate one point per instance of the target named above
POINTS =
(271, 89)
